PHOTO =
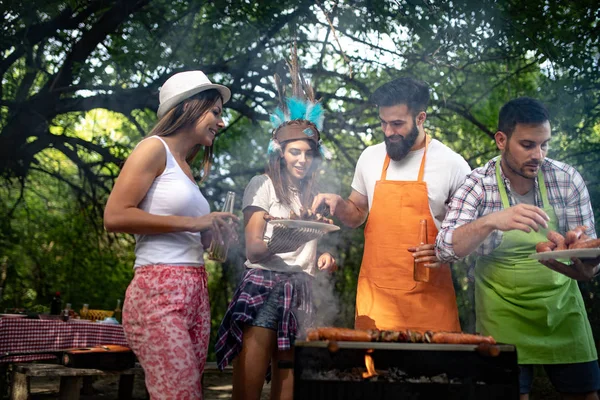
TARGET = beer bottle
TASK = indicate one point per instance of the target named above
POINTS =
(421, 272)
(56, 304)
(218, 251)
(117, 314)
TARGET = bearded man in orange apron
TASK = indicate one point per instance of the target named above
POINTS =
(501, 212)
(407, 178)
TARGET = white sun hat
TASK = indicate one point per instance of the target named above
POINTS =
(184, 85)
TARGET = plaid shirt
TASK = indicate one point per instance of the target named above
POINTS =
(479, 195)
(250, 295)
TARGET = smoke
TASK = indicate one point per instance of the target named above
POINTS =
(325, 297)
(328, 180)
(325, 300)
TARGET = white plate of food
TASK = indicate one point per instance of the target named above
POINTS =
(566, 254)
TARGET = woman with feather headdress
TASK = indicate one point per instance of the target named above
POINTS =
(273, 304)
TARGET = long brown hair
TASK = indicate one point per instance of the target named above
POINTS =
(275, 166)
(186, 114)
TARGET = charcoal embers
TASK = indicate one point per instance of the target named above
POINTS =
(391, 375)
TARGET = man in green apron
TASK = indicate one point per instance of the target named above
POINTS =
(501, 212)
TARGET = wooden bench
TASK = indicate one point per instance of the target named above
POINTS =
(70, 379)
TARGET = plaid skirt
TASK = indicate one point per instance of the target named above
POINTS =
(295, 308)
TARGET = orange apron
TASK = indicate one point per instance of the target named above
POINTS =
(387, 295)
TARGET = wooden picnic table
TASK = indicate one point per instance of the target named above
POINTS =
(24, 335)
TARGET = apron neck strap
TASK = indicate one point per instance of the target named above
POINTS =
(386, 163)
(502, 187)
(543, 191)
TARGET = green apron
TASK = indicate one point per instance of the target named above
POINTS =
(522, 302)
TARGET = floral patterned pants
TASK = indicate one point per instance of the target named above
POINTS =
(166, 318)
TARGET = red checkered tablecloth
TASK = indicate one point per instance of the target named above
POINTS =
(24, 335)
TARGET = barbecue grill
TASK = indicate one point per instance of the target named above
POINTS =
(338, 370)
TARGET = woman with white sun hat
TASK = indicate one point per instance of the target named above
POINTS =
(166, 315)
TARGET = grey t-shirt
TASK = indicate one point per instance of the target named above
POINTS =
(527, 198)
(260, 193)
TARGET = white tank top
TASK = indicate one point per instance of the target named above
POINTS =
(171, 193)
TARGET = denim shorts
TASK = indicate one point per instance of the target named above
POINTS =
(566, 378)
(268, 316)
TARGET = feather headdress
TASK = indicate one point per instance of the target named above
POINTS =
(301, 107)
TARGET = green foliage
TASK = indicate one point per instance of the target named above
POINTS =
(53, 243)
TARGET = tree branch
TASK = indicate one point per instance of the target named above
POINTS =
(108, 23)
(33, 34)
(460, 110)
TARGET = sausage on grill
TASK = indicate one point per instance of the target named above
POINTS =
(458, 338)
(342, 334)
(407, 336)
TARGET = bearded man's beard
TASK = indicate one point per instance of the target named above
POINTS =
(397, 150)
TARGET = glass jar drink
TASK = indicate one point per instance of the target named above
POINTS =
(218, 249)
(66, 313)
(421, 272)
